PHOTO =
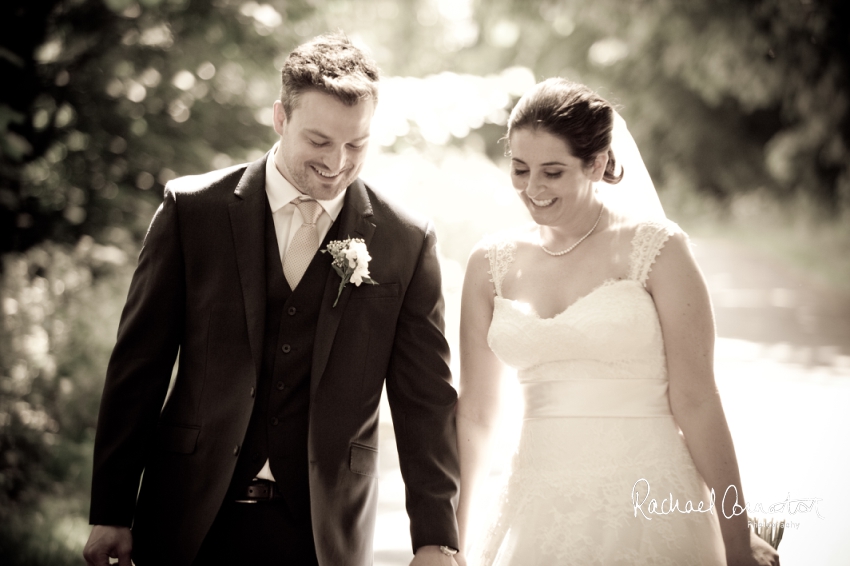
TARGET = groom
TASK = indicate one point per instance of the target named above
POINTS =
(264, 449)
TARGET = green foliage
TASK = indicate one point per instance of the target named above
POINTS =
(731, 96)
(106, 120)
(60, 314)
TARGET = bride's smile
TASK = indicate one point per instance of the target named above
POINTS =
(555, 186)
(542, 203)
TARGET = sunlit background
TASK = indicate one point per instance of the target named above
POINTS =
(741, 113)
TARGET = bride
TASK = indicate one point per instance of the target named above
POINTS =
(603, 312)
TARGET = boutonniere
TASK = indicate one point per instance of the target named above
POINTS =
(351, 262)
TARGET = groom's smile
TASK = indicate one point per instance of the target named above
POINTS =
(323, 143)
(325, 175)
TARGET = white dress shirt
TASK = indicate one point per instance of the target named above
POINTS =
(287, 220)
(287, 217)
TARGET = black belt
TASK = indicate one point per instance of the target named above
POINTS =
(258, 491)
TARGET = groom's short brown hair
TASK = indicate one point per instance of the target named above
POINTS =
(329, 63)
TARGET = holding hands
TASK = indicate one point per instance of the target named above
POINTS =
(759, 553)
(431, 555)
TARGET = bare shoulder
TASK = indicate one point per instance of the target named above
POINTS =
(675, 267)
(491, 257)
(675, 246)
(478, 289)
(479, 257)
(499, 247)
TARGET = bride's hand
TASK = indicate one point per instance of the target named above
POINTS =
(763, 553)
(760, 554)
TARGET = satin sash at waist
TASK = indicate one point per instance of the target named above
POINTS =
(596, 398)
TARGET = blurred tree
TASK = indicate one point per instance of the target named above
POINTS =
(723, 96)
(97, 100)
(60, 308)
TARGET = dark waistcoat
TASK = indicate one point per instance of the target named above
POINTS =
(278, 427)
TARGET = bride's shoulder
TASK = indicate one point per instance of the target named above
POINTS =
(647, 229)
(498, 248)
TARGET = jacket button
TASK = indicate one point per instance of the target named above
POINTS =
(286, 348)
(291, 311)
(281, 386)
(253, 392)
(236, 450)
(275, 421)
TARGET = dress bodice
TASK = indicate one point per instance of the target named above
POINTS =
(602, 356)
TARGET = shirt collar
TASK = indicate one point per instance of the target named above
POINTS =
(281, 192)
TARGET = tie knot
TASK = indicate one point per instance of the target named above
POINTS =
(309, 209)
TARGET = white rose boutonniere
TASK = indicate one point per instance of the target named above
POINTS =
(350, 261)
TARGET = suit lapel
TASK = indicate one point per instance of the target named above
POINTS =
(354, 223)
(247, 216)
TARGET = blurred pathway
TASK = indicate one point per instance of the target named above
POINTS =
(759, 300)
(783, 370)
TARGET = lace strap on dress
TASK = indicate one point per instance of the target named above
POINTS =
(500, 252)
(647, 243)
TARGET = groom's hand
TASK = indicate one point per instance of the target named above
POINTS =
(107, 542)
(432, 556)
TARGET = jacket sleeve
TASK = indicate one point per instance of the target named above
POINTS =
(139, 370)
(422, 401)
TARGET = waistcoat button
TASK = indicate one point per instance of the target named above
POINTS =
(286, 348)
(291, 311)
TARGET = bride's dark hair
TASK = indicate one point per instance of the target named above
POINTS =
(572, 112)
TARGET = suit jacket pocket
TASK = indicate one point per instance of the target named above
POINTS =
(364, 460)
(178, 438)
(379, 291)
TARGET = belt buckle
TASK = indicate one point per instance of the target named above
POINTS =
(257, 491)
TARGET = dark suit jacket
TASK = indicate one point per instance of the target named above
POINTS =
(199, 290)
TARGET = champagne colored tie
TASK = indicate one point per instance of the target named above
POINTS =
(304, 243)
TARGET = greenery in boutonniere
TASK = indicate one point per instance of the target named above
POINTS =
(350, 261)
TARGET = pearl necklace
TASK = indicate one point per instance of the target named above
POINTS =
(571, 248)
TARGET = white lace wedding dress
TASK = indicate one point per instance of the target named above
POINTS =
(597, 420)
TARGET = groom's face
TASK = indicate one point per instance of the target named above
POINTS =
(322, 143)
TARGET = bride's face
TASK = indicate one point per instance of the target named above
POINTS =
(555, 186)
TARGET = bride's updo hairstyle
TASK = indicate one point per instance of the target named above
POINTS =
(573, 113)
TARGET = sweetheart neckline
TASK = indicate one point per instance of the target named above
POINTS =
(610, 282)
